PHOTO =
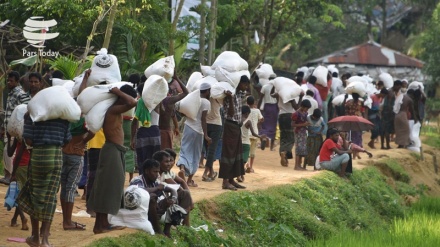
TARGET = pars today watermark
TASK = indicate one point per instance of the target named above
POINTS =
(36, 32)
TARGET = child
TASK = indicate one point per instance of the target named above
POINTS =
(245, 139)
(19, 174)
(314, 138)
(299, 122)
(354, 148)
(166, 177)
(256, 119)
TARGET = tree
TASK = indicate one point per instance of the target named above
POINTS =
(430, 53)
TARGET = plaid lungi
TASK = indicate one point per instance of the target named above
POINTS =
(38, 198)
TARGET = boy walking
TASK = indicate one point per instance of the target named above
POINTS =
(256, 119)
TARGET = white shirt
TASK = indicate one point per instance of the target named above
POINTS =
(196, 124)
(255, 116)
(313, 102)
(214, 116)
(285, 107)
(245, 132)
(154, 118)
(267, 99)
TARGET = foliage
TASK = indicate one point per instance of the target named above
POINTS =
(418, 228)
(393, 169)
(287, 215)
(68, 65)
(430, 53)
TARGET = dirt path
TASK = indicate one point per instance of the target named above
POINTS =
(268, 172)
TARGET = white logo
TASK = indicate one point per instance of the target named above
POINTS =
(36, 31)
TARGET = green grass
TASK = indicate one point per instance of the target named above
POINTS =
(392, 168)
(287, 215)
(420, 227)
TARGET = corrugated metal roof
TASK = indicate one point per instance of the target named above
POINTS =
(370, 53)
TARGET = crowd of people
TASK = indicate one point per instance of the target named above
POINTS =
(56, 153)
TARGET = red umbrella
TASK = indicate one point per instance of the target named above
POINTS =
(350, 123)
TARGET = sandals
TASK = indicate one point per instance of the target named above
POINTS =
(77, 227)
(206, 179)
(238, 186)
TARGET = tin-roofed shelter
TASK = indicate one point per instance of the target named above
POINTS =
(372, 58)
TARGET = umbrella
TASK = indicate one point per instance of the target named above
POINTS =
(351, 123)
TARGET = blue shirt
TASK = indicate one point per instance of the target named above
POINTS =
(315, 126)
(51, 132)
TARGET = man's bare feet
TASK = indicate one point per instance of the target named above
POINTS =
(284, 161)
(33, 241)
(14, 223)
(299, 168)
(74, 226)
(24, 225)
(108, 229)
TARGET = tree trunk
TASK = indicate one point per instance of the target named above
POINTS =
(202, 32)
(111, 21)
(174, 26)
(212, 32)
(90, 38)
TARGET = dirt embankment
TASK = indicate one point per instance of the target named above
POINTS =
(268, 172)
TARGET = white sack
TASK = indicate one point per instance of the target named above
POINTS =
(105, 67)
(415, 85)
(356, 87)
(336, 82)
(69, 86)
(232, 78)
(91, 96)
(287, 89)
(210, 80)
(264, 71)
(230, 61)
(53, 103)
(218, 89)
(368, 102)
(78, 80)
(16, 121)
(357, 78)
(155, 90)
(59, 82)
(337, 101)
(207, 71)
(95, 117)
(321, 73)
(190, 105)
(304, 88)
(263, 82)
(415, 133)
(387, 80)
(192, 79)
(134, 218)
(332, 68)
(163, 67)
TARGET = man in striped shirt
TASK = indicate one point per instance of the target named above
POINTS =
(16, 96)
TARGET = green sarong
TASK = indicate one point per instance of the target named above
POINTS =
(38, 198)
(129, 155)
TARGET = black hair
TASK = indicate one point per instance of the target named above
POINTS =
(335, 74)
(57, 74)
(244, 79)
(250, 100)
(143, 78)
(159, 155)
(140, 88)
(245, 109)
(346, 75)
(310, 93)
(134, 78)
(380, 83)
(37, 75)
(312, 79)
(171, 152)
(384, 91)
(127, 89)
(398, 83)
(150, 164)
(317, 113)
(356, 96)
(299, 74)
(331, 131)
(306, 103)
(14, 74)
